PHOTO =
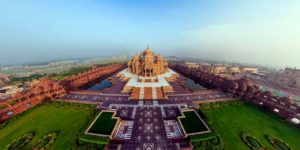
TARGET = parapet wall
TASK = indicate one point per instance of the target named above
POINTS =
(40, 90)
(245, 89)
(77, 81)
(45, 88)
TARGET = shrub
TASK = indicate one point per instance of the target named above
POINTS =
(215, 140)
(21, 141)
(251, 141)
(45, 142)
(278, 144)
(221, 104)
(73, 105)
(207, 141)
(84, 138)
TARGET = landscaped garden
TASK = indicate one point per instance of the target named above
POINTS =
(231, 120)
(192, 123)
(207, 141)
(104, 124)
(53, 126)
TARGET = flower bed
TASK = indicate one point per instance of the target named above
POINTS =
(251, 141)
(207, 141)
(277, 143)
(208, 106)
(72, 105)
(45, 142)
(21, 141)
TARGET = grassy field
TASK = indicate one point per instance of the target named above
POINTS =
(192, 123)
(47, 118)
(229, 121)
(104, 124)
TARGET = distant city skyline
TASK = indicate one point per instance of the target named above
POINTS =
(249, 31)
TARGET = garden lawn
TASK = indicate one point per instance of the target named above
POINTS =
(230, 121)
(104, 124)
(192, 123)
(48, 118)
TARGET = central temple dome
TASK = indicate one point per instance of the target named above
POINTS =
(147, 64)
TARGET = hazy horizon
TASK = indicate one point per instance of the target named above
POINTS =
(248, 31)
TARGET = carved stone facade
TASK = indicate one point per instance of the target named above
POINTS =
(45, 88)
(39, 90)
(246, 90)
(77, 81)
(147, 64)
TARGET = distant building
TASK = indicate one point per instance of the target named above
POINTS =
(226, 69)
(248, 70)
(192, 64)
(289, 77)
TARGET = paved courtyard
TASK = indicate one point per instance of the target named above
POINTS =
(147, 124)
(148, 131)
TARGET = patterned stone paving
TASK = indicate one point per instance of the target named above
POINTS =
(148, 131)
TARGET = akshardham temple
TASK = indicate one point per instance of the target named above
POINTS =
(147, 64)
(147, 76)
(149, 103)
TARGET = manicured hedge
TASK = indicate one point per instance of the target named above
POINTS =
(21, 141)
(278, 144)
(45, 142)
(72, 105)
(207, 141)
(202, 137)
(221, 104)
(251, 141)
(84, 138)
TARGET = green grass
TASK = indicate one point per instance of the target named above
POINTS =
(230, 120)
(192, 123)
(104, 124)
(48, 118)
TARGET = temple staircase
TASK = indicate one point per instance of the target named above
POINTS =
(154, 93)
(142, 93)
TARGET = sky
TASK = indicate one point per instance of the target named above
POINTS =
(247, 31)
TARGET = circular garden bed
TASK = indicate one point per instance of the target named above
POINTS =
(251, 141)
(21, 141)
(278, 144)
(215, 141)
(207, 141)
(46, 141)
